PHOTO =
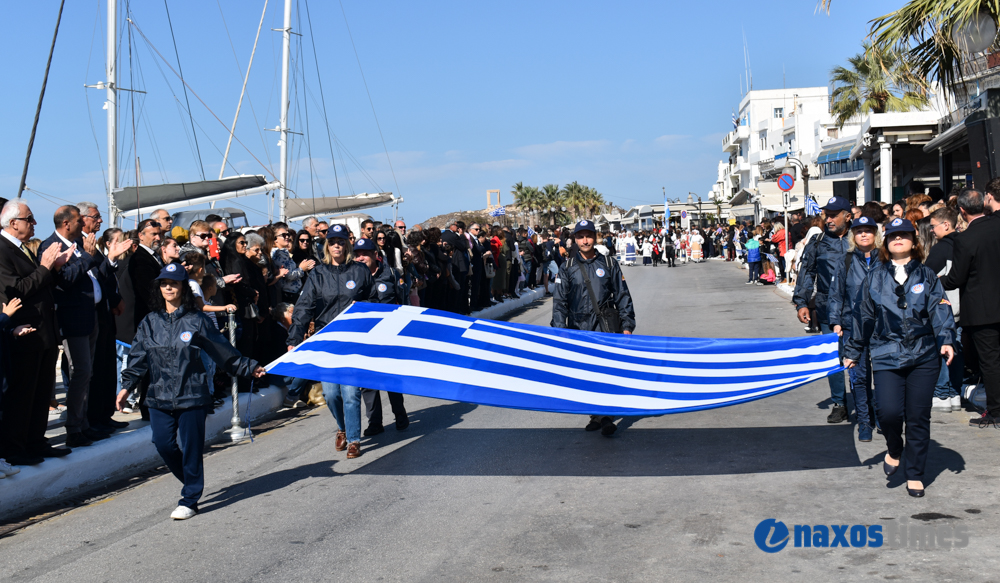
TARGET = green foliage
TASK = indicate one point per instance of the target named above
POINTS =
(922, 32)
(580, 201)
(877, 80)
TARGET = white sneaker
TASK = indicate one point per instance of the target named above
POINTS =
(938, 404)
(7, 469)
(956, 403)
(182, 513)
(127, 410)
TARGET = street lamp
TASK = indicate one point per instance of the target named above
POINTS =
(699, 208)
(805, 187)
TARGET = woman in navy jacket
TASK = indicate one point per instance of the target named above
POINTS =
(848, 276)
(903, 317)
(332, 286)
(168, 346)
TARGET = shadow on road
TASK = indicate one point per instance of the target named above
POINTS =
(635, 452)
(939, 460)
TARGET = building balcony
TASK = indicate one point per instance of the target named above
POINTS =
(731, 141)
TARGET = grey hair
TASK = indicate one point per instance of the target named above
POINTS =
(254, 240)
(279, 310)
(158, 211)
(83, 207)
(309, 221)
(10, 211)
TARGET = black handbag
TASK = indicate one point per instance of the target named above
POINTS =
(607, 315)
(251, 312)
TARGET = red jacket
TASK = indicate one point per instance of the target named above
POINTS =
(779, 239)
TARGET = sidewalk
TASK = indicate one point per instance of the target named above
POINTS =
(130, 451)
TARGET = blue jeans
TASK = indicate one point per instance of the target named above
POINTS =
(861, 388)
(837, 385)
(949, 381)
(344, 402)
(294, 386)
(121, 351)
(185, 462)
(754, 271)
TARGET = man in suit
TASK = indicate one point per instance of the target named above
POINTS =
(30, 382)
(103, 382)
(144, 267)
(77, 293)
(975, 271)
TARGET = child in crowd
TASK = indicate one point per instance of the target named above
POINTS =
(753, 257)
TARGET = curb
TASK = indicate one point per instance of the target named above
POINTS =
(502, 309)
(121, 456)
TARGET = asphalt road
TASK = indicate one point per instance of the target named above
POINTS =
(482, 494)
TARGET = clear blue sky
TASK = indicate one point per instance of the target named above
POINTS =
(626, 97)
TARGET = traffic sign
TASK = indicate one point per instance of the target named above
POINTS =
(786, 182)
(684, 214)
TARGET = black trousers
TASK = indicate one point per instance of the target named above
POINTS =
(30, 381)
(904, 395)
(986, 340)
(373, 406)
(103, 382)
(475, 295)
(671, 253)
(246, 344)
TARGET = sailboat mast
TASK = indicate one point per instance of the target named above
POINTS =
(112, 106)
(283, 142)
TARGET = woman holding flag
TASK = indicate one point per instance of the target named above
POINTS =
(331, 287)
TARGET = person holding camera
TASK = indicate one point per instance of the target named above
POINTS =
(591, 294)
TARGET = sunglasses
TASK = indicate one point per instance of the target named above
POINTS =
(202, 235)
(303, 240)
(27, 219)
(285, 236)
(401, 227)
(380, 238)
(900, 297)
(322, 231)
(243, 243)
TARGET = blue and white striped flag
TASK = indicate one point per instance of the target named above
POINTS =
(426, 352)
(812, 207)
(531, 232)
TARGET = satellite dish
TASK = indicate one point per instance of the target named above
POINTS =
(975, 35)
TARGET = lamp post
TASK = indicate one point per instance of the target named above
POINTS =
(699, 208)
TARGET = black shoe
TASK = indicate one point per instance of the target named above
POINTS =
(78, 440)
(984, 420)
(95, 435)
(402, 425)
(49, 451)
(838, 415)
(25, 460)
(116, 424)
(594, 425)
(374, 430)
(607, 427)
(102, 428)
(889, 469)
(915, 493)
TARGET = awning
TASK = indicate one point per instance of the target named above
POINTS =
(185, 193)
(951, 138)
(834, 154)
(300, 208)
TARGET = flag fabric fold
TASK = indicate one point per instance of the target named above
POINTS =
(430, 353)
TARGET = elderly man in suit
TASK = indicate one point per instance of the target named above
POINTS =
(975, 272)
(103, 382)
(144, 267)
(30, 383)
(77, 294)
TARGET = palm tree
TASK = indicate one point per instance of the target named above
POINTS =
(924, 32)
(575, 195)
(878, 80)
(551, 196)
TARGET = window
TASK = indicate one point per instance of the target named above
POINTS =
(832, 133)
(779, 112)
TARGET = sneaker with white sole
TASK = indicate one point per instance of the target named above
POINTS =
(182, 513)
(939, 404)
(6, 470)
(956, 403)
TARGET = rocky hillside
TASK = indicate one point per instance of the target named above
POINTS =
(469, 217)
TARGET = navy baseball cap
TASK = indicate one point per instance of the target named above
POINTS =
(174, 271)
(364, 245)
(837, 204)
(338, 231)
(863, 222)
(584, 225)
(899, 225)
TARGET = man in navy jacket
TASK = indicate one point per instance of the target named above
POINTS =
(77, 292)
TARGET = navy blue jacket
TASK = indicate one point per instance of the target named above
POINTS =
(900, 337)
(819, 263)
(571, 305)
(387, 287)
(168, 348)
(74, 291)
(328, 291)
(845, 287)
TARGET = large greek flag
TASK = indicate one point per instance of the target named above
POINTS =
(426, 352)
